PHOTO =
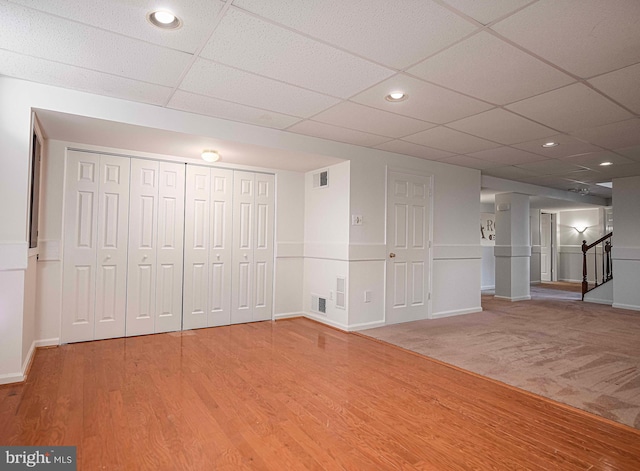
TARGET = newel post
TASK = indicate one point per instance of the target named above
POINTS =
(585, 284)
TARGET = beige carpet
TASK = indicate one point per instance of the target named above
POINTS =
(585, 355)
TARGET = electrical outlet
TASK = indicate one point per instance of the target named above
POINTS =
(356, 220)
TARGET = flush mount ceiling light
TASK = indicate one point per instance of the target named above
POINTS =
(210, 155)
(550, 144)
(164, 19)
(396, 96)
(581, 191)
(606, 164)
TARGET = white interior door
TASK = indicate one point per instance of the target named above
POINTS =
(80, 249)
(169, 252)
(196, 247)
(113, 232)
(143, 212)
(263, 250)
(407, 270)
(220, 250)
(242, 288)
(545, 247)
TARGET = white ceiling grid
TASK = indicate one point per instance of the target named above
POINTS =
(487, 82)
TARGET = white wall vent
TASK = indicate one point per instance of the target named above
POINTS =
(321, 179)
(318, 304)
(341, 292)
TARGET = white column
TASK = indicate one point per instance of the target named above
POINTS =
(534, 272)
(513, 249)
(626, 243)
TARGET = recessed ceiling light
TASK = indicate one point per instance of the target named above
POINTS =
(550, 144)
(606, 164)
(396, 96)
(164, 19)
(210, 155)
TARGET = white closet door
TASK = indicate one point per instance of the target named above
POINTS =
(220, 249)
(170, 247)
(263, 242)
(80, 250)
(196, 247)
(143, 210)
(113, 228)
(243, 243)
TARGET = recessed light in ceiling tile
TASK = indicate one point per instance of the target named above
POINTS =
(606, 164)
(396, 96)
(164, 19)
(550, 144)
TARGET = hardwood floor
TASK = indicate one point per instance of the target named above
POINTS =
(292, 395)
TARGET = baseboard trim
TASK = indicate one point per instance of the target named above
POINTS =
(366, 325)
(517, 298)
(630, 307)
(600, 301)
(11, 378)
(324, 320)
(287, 315)
(26, 365)
(483, 288)
(53, 342)
(456, 312)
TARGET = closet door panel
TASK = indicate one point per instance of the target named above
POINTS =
(220, 247)
(196, 247)
(242, 288)
(262, 299)
(143, 211)
(80, 246)
(170, 247)
(113, 232)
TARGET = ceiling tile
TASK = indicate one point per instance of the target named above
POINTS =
(619, 171)
(570, 108)
(585, 37)
(371, 120)
(507, 156)
(567, 146)
(486, 12)
(509, 172)
(613, 136)
(551, 167)
(621, 85)
(69, 76)
(59, 40)
(393, 33)
(220, 81)
(130, 18)
(223, 109)
(425, 101)
(501, 126)
(490, 69)
(470, 162)
(335, 133)
(407, 148)
(632, 152)
(450, 140)
(257, 46)
(593, 160)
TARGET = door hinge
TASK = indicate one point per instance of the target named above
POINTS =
(429, 297)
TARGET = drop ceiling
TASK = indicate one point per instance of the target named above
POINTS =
(487, 82)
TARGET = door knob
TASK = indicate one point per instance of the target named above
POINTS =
(392, 255)
(108, 257)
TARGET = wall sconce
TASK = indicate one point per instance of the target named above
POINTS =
(580, 229)
(210, 155)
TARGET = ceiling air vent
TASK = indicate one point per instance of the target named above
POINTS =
(341, 292)
(321, 179)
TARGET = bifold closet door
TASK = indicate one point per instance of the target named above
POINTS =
(252, 270)
(95, 246)
(207, 265)
(154, 301)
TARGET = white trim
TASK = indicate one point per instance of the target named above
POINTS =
(625, 253)
(456, 312)
(9, 378)
(512, 250)
(331, 251)
(289, 250)
(288, 315)
(626, 306)
(324, 320)
(367, 252)
(366, 325)
(50, 250)
(28, 359)
(14, 255)
(484, 288)
(569, 280)
(517, 298)
(52, 342)
(599, 301)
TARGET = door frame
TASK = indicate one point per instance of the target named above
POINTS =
(430, 178)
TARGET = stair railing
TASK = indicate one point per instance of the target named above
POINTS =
(607, 265)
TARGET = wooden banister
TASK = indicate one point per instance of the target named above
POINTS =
(607, 266)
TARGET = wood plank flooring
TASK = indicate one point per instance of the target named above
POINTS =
(292, 395)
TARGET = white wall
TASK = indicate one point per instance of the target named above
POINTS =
(488, 262)
(570, 242)
(626, 243)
